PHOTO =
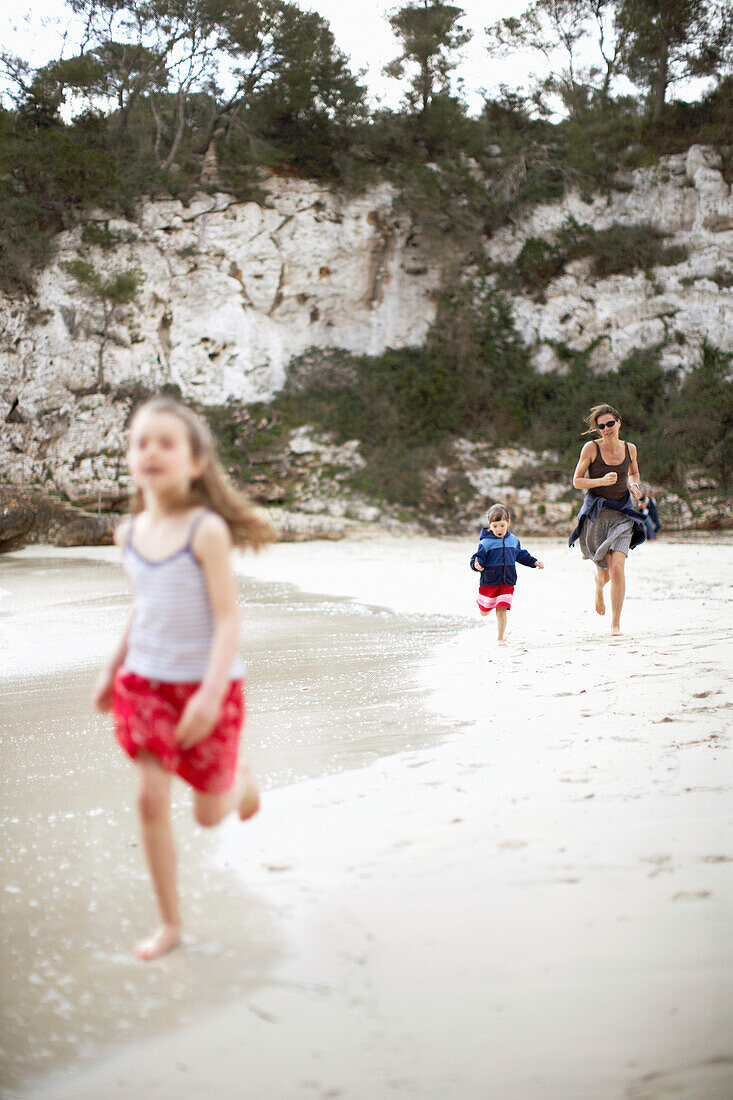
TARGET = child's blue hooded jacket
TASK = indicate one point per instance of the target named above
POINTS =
(498, 558)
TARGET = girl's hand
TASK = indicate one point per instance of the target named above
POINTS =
(197, 721)
(102, 693)
(539, 565)
(609, 479)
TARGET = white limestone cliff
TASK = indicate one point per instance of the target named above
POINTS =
(233, 290)
(681, 306)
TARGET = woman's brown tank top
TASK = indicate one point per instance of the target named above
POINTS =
(599, 468)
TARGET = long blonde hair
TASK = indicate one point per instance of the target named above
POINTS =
(248, 524)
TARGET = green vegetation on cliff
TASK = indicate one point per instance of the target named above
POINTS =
(165, 97)
(474, 379)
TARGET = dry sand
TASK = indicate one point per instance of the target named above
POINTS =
(478, 873)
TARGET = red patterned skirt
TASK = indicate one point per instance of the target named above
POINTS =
(495, 595)
(146, 713)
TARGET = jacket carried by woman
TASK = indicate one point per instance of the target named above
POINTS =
(591, 506)
(498, 557)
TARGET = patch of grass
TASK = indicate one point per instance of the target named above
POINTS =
(528, 476)
(99, 233)
(617, 250)
(723, 277)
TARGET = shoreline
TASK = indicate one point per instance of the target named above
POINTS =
(537, 904)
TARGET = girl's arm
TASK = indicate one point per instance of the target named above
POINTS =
(580, 481)
(212, 547)
(102, 693)
(634, 475)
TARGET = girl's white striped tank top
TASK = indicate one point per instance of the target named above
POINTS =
(173, 626)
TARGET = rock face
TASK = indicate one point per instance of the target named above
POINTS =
(680, 306)
(233, 290)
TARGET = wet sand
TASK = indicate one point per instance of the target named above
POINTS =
(478, 872)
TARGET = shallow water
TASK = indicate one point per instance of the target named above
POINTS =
(332, 685)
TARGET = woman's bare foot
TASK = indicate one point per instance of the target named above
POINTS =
(249, 803)
(600, 602)
(165, 939)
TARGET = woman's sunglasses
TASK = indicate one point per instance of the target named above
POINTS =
(606, 424)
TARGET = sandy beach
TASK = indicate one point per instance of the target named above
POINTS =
(477, 874)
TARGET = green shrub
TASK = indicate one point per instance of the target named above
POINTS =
(621, 249)
(618, 250)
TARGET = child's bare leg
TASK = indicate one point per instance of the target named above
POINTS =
(602, 578)
(618, 588)
(484, 612)
(210, 809)
(501, 624)
(160, 852)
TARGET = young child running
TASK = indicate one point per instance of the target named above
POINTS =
(174, 684)
(496, 558)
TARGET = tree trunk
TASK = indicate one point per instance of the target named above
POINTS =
(158, 131)
(661, 81)
(179, 130)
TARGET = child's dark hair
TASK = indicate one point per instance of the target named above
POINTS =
(496, 513)
(248, 525)
(595, 412)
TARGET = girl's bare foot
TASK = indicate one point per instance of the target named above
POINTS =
(501, 641)
(600, 602)
(165, 939)
(249, 803)
(615, 631)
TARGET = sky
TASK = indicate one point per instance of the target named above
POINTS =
(361, 31)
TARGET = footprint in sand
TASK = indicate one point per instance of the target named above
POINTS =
(702, 1079)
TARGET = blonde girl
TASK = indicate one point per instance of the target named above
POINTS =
(175, 682)
(608, 525)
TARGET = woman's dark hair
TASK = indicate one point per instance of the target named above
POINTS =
(595, 412)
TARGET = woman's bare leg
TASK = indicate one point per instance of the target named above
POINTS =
(618, 588)
(602, 578)
(160, 852)
(210, 809)
(501, 624)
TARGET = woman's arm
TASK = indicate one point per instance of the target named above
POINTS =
(634, 477)
(580, 481)
(212, 547)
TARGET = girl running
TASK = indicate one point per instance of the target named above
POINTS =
(175, 682)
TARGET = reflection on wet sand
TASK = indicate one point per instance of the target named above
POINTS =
(331, 687)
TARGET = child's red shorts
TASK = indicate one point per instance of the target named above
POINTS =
(495, 595)
(146, 713)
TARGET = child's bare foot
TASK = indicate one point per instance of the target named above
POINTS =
(600, 602)
(615, 631)
(501, 641)
(249, 803)
(165, 939)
